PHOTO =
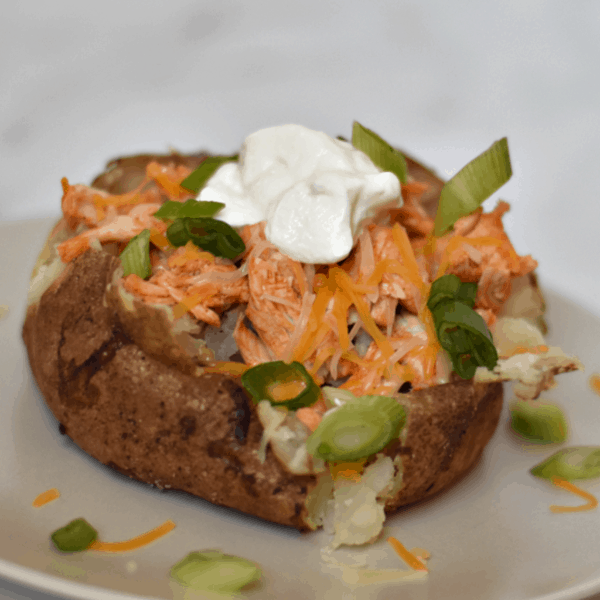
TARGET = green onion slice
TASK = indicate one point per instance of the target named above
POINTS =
(461, 331)
(191, 208)
(197, 179)
(136, 256)
(577, 462)
(76, 536)
(212, 235)
(473, 184)
(450, 287)
(465, 336)
(283, 385)
(379, 151)
(214, 571)
(357, 429)
(538, 422)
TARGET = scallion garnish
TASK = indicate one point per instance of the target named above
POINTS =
(578, 462)
(379, 151)
(473, 184)
(461, 331)
(135, 258)
(214, 571)
(212, 235)
(465, 336)
(191, 208)
(450, 287)
(197, 179)
(357, 429)
(538, 422)
(282, 384)
(76, 536)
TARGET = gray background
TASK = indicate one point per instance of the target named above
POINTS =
(81, 83)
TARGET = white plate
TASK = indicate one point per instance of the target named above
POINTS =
(491, 536)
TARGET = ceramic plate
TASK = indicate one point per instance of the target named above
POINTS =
(491, 536)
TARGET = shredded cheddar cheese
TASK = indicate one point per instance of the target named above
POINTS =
(595, 383)
(45, 497)
(408, 557)
(136, 542)
(591, 503)
(159, 240)
(167, 180)
(346, 284)
(347, 470)
(300, 276)
(408, 256)
(322, 355)
(189, 302)
(388, 265)
(306, 344)
(190, 252)
(431, 350)
(421, 553)
(340, 312)
(135, 196)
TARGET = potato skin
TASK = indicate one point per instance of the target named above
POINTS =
(146, 419)
(134, 410)
(448, 428)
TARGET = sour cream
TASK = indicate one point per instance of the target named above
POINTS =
(314, 192)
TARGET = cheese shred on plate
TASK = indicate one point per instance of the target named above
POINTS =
(595, 383)
(136, 542)
(45, 497)
(591, 503)
(408, 557)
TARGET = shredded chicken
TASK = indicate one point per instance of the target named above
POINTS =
(292, 311)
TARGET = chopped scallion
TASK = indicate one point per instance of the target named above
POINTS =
(212, 235)
(465, 336)
(357, 429)
(76, 536)
(197, 179)
(473, 184)
(214, 571)
(282, 384)
(450, 287)
(461, 331)
(578, 462)
(191, 208)
(538, 422)
(379, 151)
(135, 258)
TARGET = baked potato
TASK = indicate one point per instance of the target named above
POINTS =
(128, 383)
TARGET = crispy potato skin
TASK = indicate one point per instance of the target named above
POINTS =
(142, 417)
(163, 425)
(448, 428)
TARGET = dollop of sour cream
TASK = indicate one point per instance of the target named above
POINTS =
(314, 192)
